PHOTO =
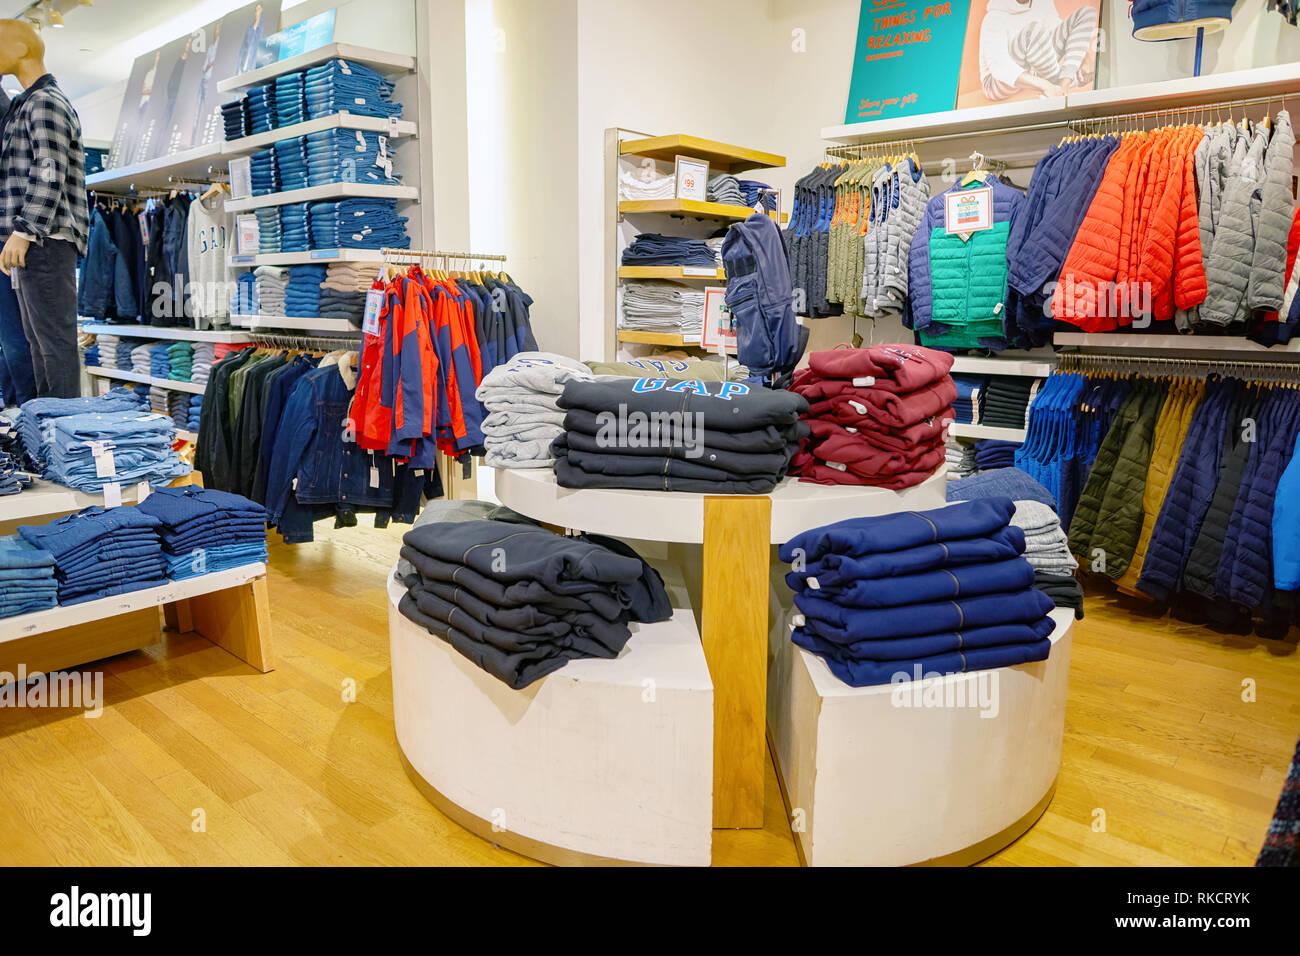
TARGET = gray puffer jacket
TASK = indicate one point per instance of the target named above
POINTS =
(1273, 210)
(1228, 265)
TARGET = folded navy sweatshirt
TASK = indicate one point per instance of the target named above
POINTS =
(845, 625)
(835, 570)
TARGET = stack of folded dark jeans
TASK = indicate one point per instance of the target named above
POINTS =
(725, 188)
(669, 435)
(342, 305)
(349, 156)
(291, 163)
(295, 227)
(970, 395)
(36, 417)
(234, 117)
(359, 223)
(916, 594)
(876, 415)
(1006, 401)
(125, 348)
(302, 294)
(86, 452)
(752, 190)
(100, 552)
(290, 99)
(204, 530)
(521, 601)
(265, 178)
(178, 408)
(652, 249)
(992, 453)
(12, 481)
(341, 85)
(270, 233)
(27, 580)
(261, 108)
(90, 357)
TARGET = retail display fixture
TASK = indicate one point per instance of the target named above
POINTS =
(125, 375)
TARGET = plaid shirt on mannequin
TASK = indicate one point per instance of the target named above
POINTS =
(43, 167)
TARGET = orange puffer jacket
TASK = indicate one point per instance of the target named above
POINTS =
(1170, 260)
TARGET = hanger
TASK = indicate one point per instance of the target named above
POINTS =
(977, 169)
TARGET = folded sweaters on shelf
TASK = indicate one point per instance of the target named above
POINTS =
(521, 397)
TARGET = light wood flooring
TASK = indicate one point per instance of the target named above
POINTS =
(1159, 747)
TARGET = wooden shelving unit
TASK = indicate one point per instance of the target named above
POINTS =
(657, 338)
(684, 207)
(678, 273)
(722, 157)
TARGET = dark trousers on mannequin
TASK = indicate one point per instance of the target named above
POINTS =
(47, 296)
(17, 383)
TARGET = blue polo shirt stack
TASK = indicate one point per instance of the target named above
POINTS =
(205, 530)
(937, 592)
(99, 552)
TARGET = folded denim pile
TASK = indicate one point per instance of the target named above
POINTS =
(358, 223)
(37, 415)
(645, 183)
(652, 249)
(99, 552)
(160, 365)
(90, 357)
(342, 305)
(263, 173)
(338, 86)
(88, 451)
(911, 595)
(752, 191)
(658, 434)
(521, 397)
(991, 453)
(201, 363)
(291, 162)
(271, 284)
(655, 305)
(158, 399)
(349, 156)
(12, 478)
(204, 530)
(1000, 483)
(270, 234)
(261, 108)
(234, 118)
(302, 293)
(27, 580)
(960, 456)
(196, 412)
(970, 395)
(178, 408)
(180, 361)
(521, 601)
(290, 99)
(876, 415)
(124, 355)
(1006, 401)
(725, 188)
(295, 227)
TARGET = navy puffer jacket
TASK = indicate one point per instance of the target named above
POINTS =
(1152, 19)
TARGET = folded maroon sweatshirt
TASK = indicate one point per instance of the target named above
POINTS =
(895, 368)
(890, 409)
(857, 455)
(890, 439)
(826, 475)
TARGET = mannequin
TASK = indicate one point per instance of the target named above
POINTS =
(43, 214)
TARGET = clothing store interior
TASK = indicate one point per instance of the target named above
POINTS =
(480, 433)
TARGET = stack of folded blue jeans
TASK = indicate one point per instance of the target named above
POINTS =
(970, 396)
(291, 163)
(302, 294)
(991, 453)
(358, 224)
(234, 117)
(160, 365)
(196, 411)
(12, 481)
(752, 191)
(87, 451)
(290, 99)
(27, 581)
(916, 594)
(245, 303)
(270, 234)
(295, 228)
(99, 552)
(178, 407)
(343, 86)
(342, 305)
(90, 357)
(652, 249)
(205, 530)
(349, 156)
(261, 108)
(125, 348)
(265, 178)
(36, 417)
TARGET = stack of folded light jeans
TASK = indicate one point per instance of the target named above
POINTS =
(521, 397)
(916, 594)
(302, 294)
(265, 178)
(99, 552)
(291, 163)
(653, 249)
(359, 223)
(338, 86)
(270, 234)
(645, 183)
(725, 188)
(107, 345)
(201, 363)
(656, 305)
(36, 417)
(290, 99)
(349, 156)
(295, 228)
(204, 530)
(261, 108)
(160, 360)
(180, 361)
(234, 118)
(271, 283)
(27, 580)
(142, 358)
(87, 451)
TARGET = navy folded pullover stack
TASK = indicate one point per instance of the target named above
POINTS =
(660, 434)
(895, 597)
(521, 601)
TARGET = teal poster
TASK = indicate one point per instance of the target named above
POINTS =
(907, 60)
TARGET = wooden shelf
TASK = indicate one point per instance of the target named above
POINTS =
(961, 430)
(668, 272)
(295, 323)
(323, 193)
(722, 157)
(657, 338)
(142, 379)
(378, 60)
(304, 258)
(684, 207)
(164, 332)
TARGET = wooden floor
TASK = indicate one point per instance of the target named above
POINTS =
(197, 759)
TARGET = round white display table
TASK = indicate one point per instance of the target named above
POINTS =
(735, 534)
(603, 761)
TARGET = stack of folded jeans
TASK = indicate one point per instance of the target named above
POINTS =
(645, 183)
(270, 234)
(295, 231)
(178, 407)
(196, 412)
(1047, 546)
(666, 435)
(302, 294)
(87, 451)
(201, 363)
(970, 394)
(725, 188)
(521, 601)
(917, 594)
(27, 581)
(107, 345)
(90, 357)
(343, 86)
(37, 416)
(655, 305)
(265, 177)
(291, 163)
(348, 277)
(261, 108)
(342, 305)
(290, 99)
(521, 397)
(876, 415)
(203, 530)
(752, 190)
(125, 355)
(960, 456)
(349, 156)
(991, 453)
(12, 480)
(244, 301)
(271, 283)
(180, 361)
(1001, 483)
(160, 361)
(652, 249)
(234, 118)
(100, 552)
(1006, 401)
(359, 223)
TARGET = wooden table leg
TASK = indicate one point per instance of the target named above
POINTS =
(178, 616)
(733, 629)
(237, 619)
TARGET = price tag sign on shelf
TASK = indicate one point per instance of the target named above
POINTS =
(241, 177)
(247, 235)
(719, 333)
(692, 178)
(967, 211)
(370, 318)
(708, 271)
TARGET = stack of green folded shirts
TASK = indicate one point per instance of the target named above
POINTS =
(181, 355)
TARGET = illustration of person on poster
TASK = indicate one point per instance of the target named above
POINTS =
(252, 39)
(1025, 49)
(202, 118)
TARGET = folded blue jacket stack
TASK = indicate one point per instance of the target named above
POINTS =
(99, 552)
(349, 156)
(204, 530)
(652, 249)
(37, 414)
(290, 99)
(970, 394)
(27, 581)
(261, 108)
(918, 594)
(358, 224)
(234, 117)
(86, 452)
(291, 162)
(263, 173)
(302, 294)
(339, 86)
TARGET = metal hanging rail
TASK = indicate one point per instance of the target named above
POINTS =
(304, 342)
(422, 254)
(1285, 372)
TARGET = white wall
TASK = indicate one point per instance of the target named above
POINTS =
(98, 112)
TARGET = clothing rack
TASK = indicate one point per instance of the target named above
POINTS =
(1244, 368)
(422, 255)
(304, 343)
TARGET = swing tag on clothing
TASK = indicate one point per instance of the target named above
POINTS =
(374, 477)
(370, 319)
(105, 467)
(392, 126)
(142, 491)
(967, 211)
(112, 495)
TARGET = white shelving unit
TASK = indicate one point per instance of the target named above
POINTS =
(322, 194)
(378, 60)
(272, 323)
(961, 430)
(227, 336)
(963, 364)
(142, 379)
(373, 124)
(42, 499)
(307, 257)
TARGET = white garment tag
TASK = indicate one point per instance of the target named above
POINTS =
(142, 491)
(370, 319)
(112, 495)
(361, 143)
(858, 407)
(796, 620)
(813, 583)
(105, 467)
(392, 126)
(864, 381)
(343, 65)
(838, 466)
(419, 473)
(358, 237)
(851, 431)
(359, 100)
(997, 308)
(374, 477)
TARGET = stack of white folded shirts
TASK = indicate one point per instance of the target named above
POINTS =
(142, 358)
(725, 188)
(107, 350)
(716, 246)
(961, 459)
(271, 283)
(524, 415)
(349, 277)
(654, 305)
(1046, 543)
(204, 355)
(645, 183)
